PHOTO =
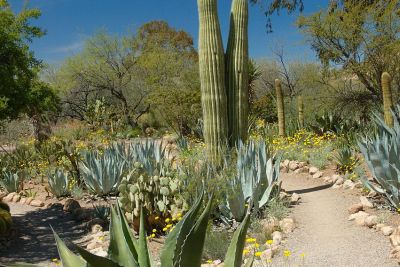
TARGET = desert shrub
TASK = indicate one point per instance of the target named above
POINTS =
(216, 244)
(277, 208)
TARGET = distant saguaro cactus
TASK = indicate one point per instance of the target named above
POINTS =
(280, 107)
(300, 106)
(212, 78)
(237, 72)
(387, 98)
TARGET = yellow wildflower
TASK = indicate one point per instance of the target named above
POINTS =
(286, 253)
(269, 242)
(167, 220)
(246, 251)
(154, 230)
(258, 254)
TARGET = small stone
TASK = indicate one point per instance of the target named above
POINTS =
(101, 253)
(365, 202)
(37, 203)
(318, 175)
(371, 221)
(23, 200)
(327, 179)
(348, 184)
(372, 194)
(354, 216)
(277, 237)
(287, 225)
(360, 220)
(339, 181)
(304, 169)
(29, 200)
(293, 165)
(294, 198)
(286, 163)
(336, 186)
(334, 178)
(283, 195)
(395, 237)
(387, 230)
(71, 205)
(355, 208)
(313, 170)
(16, 198)
(379, 226)
(302, 164)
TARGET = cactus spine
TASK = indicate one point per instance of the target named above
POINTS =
(387, 98)
(280, 107)
(212, 78)
(300, 106)
(237, 74)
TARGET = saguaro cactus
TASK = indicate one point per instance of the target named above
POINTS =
(300, 107)
(237, 73)
(387, 98)
(212, 78)
(280, 107)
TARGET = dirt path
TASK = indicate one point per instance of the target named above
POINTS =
(323, 232)
(35, 241)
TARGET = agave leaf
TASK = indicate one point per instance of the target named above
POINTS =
(233, 257)
(176, 237)
(94, 260)
(130, 239)
(143, 251)
(119, 250)
(192, 248)
(68, 258)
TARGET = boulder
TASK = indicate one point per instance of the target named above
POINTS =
(395, 237)
(366, 203)
(287, 225)
(334, 178)
(29, 200)
(379, 226)
(313, 170)
(348, 184)
(71, 205)
(294, 198)
(339, 181)
(318, 175)
(37, 203)
(23, 200)
(354, 216)
(277, 237)
(387, 230)
(16, 198)
(293, 165)
(355, 208)
(371, 221)
(9, 197)
(395, 253)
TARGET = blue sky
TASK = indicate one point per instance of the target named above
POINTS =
(69, 22)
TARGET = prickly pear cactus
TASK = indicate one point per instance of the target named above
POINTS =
(159, 195)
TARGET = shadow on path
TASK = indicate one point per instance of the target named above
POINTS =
(311, 189)
(34, 242)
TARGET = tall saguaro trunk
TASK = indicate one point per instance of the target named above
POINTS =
(237, 73)
(280, 107)
(212, 78)
(300, 107)
(387, 98)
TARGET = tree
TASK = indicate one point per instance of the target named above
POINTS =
(361, 37)
(18, 66)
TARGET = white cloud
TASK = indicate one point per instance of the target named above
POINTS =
(69, 48)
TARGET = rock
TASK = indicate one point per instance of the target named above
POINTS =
(354, 216)
(302, 164)
(9, 197)
(95, 225)
(348, 184)
(93, 245)
(304, 169)
(395, 253)
(365, 202)
(387, 230)
(277, 237)
(358, 185)
(293, 165)
(318, 175)
(283, 195)
(71, 205)
(360, 220)
(339, 181)
(327, 179)
(379, 226)
(23, 200)
(16, 198)
(287, 225)
(336, 186)
(29, 200)
(270, 225)
(372, 194)
(294, 198)
(266, 255)
(334, 178)
(313, 170)
(37, 203)
(395, 237)
(101, 253)
(286, 163)
(371, 221)
(355, 208)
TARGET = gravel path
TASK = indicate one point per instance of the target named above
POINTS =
(323, 232)
(35, 241)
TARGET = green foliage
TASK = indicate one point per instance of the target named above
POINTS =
(158, 194)
(102, 212)
(5, 220)
(345, 160)
(216, 244)
(59, 182)
(4, 206)
(102, 172)
(277, 208)
(11, 182)
(381, 153)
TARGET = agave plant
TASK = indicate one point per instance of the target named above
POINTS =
(102, 173)
(58, 182)
(11, 182)
(183, 245)
(382, 153)
(257, 175)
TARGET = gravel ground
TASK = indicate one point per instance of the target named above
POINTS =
(323, 232)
